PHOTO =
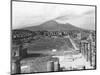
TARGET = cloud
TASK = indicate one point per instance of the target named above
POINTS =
(85, 20)
(26, 14)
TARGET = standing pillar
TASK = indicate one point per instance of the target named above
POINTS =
(90, 54)
(56, 66)
(84, 49)
(80, 47)
(50, 66)
(87, 51)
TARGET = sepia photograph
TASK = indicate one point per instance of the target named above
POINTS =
(52, 37)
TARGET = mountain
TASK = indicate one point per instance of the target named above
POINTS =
(53, 26)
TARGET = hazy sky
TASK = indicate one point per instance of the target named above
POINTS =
(26, 14)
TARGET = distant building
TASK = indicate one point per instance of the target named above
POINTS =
(15, 50)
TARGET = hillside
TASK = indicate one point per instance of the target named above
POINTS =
(53, 26)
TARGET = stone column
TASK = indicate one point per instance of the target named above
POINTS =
(50, 66)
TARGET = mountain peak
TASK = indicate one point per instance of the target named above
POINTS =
(53, 26)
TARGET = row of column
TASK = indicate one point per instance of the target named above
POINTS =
(86, 50)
